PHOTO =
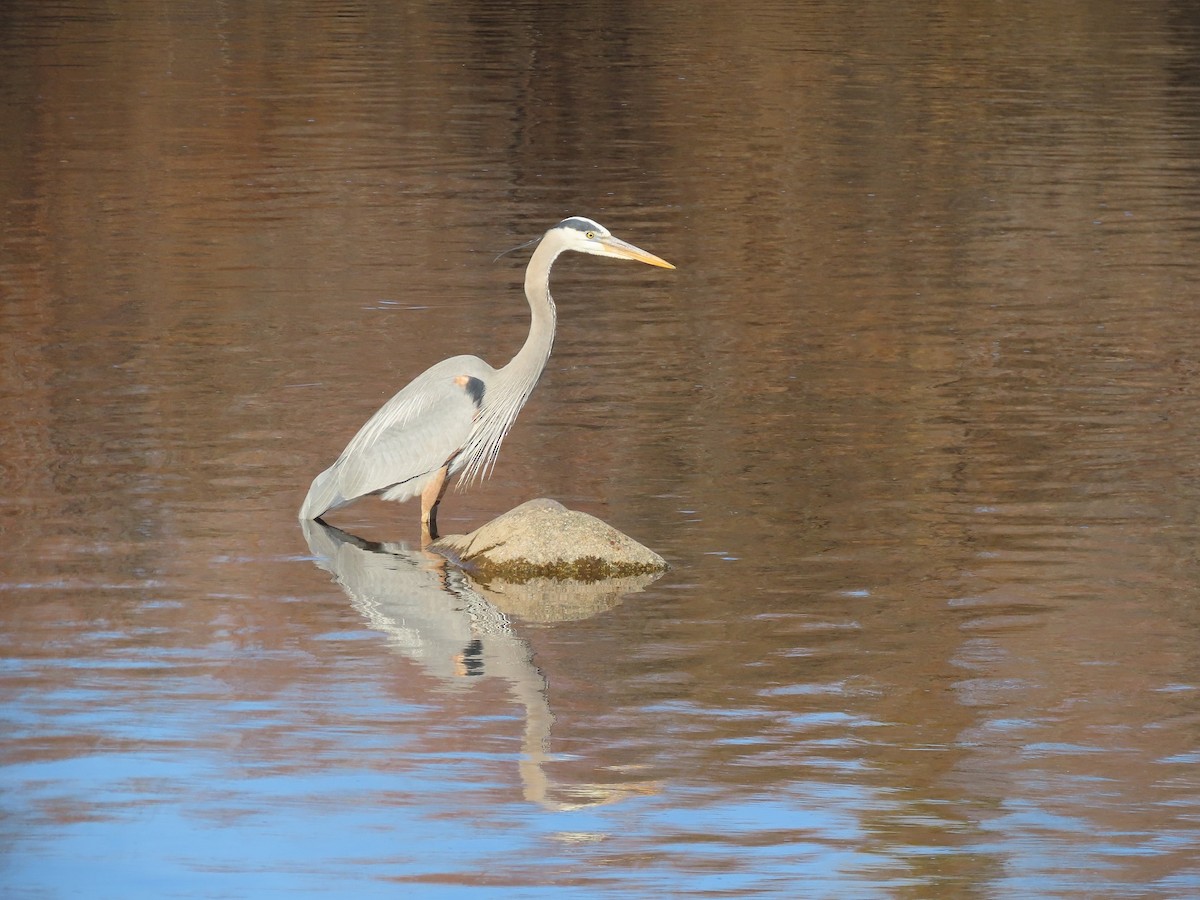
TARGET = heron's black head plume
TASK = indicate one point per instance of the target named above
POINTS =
(518, 247)
(581, 223)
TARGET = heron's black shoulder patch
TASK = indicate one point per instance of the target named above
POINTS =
(473, 386)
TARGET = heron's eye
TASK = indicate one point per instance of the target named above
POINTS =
(591, 235)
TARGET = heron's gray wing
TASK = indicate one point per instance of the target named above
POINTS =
(415, 433)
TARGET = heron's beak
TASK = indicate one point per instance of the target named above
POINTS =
(623, 250)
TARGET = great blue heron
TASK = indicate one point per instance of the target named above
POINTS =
(453, 416)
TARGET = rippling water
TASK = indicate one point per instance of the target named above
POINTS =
(914, 421)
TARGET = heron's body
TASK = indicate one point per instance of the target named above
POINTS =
(453, 417)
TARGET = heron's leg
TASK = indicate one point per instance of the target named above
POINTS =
(430, 498)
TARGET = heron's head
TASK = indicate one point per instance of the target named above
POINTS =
(588, 236)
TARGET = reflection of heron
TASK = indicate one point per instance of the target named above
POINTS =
(453, 416)
(434, 616)
(428, 610)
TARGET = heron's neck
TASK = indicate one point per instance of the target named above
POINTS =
(531, 358)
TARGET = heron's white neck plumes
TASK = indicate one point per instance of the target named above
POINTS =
(513, 384)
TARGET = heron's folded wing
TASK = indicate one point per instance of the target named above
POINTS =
(413, 434)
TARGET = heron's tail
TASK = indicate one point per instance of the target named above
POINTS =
(322, 496)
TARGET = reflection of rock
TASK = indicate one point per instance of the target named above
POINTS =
(551, 600)
(544, 539)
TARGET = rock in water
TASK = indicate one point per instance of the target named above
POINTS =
(543, 539)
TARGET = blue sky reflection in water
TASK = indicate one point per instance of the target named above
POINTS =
(161, 819)
(915, 421)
